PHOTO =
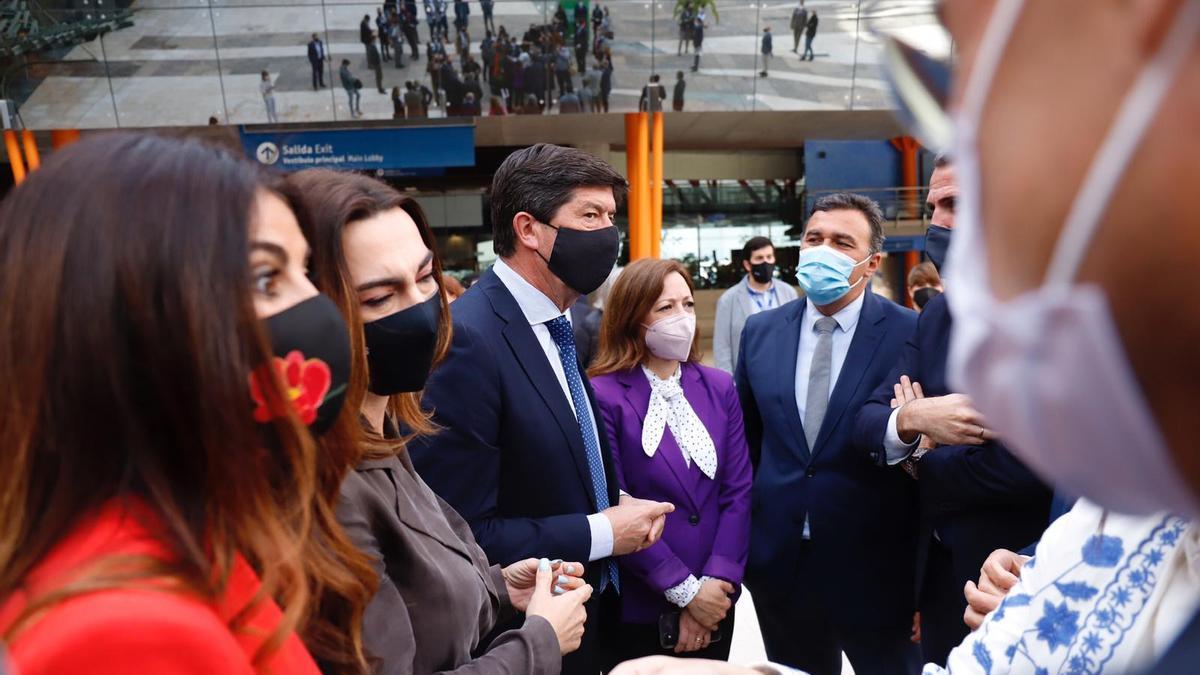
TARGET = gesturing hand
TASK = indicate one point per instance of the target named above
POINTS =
(712, 603)
(946, 420)
(1000, 572)
(636, 523)
(520, 578)
(564, 612)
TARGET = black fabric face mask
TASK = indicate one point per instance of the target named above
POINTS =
(400, 347)
(937, 242)
(762, 272)
(312, 349)
(583, 259)
(922, 296)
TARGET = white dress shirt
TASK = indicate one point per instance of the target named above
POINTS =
(538, 309)
(843, 335)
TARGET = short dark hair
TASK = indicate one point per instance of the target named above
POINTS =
(539, 180)
(940, 160)
(755, 244)
(850, 201)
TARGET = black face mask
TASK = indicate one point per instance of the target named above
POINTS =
(312, 348)
(400, 347)
(937, 242)
(583, 259)
(762, 272)
(922, 296)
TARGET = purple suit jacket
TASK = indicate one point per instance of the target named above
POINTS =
(709, 532)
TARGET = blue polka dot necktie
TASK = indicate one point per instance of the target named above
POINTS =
(564, 339)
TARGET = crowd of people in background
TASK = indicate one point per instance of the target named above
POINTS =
(564, 66)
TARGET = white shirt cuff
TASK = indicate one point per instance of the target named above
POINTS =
(602, 537)
(681, 595)
(897, 450)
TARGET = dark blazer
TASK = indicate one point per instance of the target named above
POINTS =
(979, 498)
(510, 457)
(437, 593)
(708, 534)
(315, 57)
(861, 516)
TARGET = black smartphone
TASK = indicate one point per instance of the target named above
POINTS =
(668, 630)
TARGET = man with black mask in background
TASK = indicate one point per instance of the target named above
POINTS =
(757, 291)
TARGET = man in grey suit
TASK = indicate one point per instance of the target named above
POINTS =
(757, 291)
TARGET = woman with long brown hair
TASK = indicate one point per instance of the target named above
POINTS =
(374, 255)
(675, 429)
(162, 353)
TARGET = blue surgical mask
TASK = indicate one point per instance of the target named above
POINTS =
(824, 274)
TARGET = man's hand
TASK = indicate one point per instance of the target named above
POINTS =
(692, 636)
(636, 523)
(712, 603)
(1000, 572)
(666, 665)
(945, 420)
(915, 636)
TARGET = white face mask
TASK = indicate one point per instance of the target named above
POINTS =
(1047, 368)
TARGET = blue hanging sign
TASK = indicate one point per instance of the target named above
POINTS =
(404, 148)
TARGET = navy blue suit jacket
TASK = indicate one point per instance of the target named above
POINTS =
(510, 457)
(861, 516)
(978, 497)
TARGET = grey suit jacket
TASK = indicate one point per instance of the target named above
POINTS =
(437, 594)
(733, 308)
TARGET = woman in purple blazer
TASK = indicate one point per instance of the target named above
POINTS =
(675, 428)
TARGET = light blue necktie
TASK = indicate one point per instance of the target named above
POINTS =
(564, 338)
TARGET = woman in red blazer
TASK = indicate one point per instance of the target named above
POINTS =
(159, 507)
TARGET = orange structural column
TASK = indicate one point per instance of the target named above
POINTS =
(63, 137)
(637, 164)
(656, 185)
(32, 159)
(908, 147)
(14, 155)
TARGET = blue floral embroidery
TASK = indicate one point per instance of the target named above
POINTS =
(1117, 608)
(1058, 625)
(1102, 551)
(983, 658)
(1076, 590)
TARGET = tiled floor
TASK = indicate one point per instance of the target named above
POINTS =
(164, 69)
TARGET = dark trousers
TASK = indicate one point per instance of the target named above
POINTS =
(808, 52)
(598, 651)
(796, 35)
(696, 61)
(799, 631)
(385, 48)
(410, 34)
(318, 73)
(942, 606)
(379, 78)
(638, 640)
(564, 81)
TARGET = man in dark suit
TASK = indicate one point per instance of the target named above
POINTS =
(975, 496)
(832, 539)
(316, 58)
(522, 454)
